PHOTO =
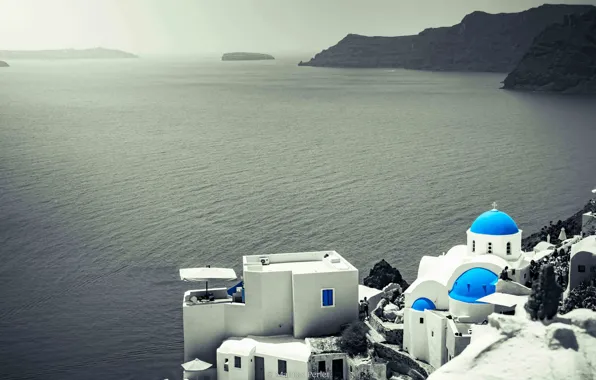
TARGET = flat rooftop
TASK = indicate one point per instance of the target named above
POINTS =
(299, 262)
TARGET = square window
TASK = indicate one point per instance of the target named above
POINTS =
(421, 320)
(581, 268)
(282, 367)
(237, 362)
(327, 298)
(322, 366)
(593, 268)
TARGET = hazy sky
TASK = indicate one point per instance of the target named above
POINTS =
(216, 26)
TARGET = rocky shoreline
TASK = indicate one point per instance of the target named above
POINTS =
(561, 59)
(480, 42)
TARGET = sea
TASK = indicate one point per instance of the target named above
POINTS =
(116, 174)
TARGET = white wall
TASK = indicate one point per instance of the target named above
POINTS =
(435, 331)
(276, 309)
(245, 372)
(499, 244)
(310, 319)
(474, 312)
(296, 369)
(585, 258)
(204, 330)
(415, 339)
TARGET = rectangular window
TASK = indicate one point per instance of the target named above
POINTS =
(525, 275)
(512, 271)
(327, 298)
(322, 366)
(237, 362)
(432, 333)
(421, 320)
(282, 367)
(581, 268)
(593, 268)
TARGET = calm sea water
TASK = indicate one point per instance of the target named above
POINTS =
(115, 174)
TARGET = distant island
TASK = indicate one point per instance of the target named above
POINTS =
(561, 59)
(96, 53)
(241, 56)
(4, 64)
(480, 42)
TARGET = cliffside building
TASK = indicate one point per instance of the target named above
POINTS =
(459, 289)
(256, 330)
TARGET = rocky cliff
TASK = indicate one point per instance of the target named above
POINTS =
(3, 64)
(96, 53)
(240, 56)
(480, 42)
(561, 59)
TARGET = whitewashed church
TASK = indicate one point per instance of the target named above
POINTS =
(459, 289)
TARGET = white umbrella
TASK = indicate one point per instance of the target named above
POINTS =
(206, 274)
(196, 365)
(562, 235)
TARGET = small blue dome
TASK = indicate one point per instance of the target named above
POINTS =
(494, 222)
(473, 284)
(422, 304)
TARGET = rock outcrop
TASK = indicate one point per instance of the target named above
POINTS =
(96, 53)
(481, 42)
(561, 59)
(241, 56)
(382, 274)
(3, 64)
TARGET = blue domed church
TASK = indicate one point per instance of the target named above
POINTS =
(461, 288)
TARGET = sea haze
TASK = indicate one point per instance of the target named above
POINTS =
(115, 174)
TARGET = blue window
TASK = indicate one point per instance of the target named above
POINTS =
(327, 297)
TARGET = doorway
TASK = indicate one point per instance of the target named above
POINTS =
(337, 369)
(259, 368)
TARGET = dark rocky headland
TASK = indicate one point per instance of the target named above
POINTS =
(480, 42)
(241, 56)
(4, 64)
(96, 53)
(561, 59)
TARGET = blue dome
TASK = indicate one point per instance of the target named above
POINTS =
(473, 284)
(494, 222)
(422, 304)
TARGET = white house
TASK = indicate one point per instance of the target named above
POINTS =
(289, 296)
(459, 289)
(582, 261)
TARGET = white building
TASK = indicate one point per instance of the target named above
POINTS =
(582, 262)
(289, 296)
(459, 289)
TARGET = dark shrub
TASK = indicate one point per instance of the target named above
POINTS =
(353, 340)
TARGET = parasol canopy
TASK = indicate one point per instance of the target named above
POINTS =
(196, 365)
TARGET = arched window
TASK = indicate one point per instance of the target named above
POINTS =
(508, 248)
(490, 248)
(473, 245)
